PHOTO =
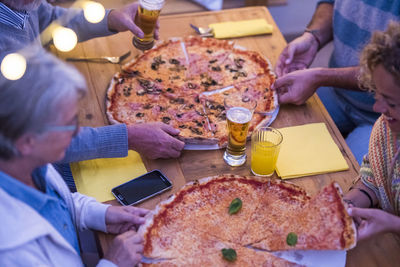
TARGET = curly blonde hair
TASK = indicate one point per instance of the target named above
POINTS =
(384, 48)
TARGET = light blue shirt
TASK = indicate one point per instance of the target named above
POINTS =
(13, 18)
(48, 204)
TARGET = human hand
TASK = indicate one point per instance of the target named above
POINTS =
(297, 55)
(371, 222)
(123, 19)
(155, 140)
(125, 250)
(296, 87)
(120, 219)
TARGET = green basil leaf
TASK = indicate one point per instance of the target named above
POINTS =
(229, 254)
(291, 239)
(235, 206)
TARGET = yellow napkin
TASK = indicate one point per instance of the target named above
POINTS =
(232, 29)
(97, 177)
(308, 150)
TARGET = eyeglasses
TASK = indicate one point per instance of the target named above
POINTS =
(65, 128)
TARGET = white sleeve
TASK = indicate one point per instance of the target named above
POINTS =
(89, 213)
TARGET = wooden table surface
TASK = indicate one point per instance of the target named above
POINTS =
(381, 251)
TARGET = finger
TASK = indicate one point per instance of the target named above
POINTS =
(360, 212)
(282, 82)
(138, 211)
(156, 31)
(136, 239)
(128, 234)
(177, 145)
(174, 154)
(138, 248)
(134, 28)
(169, 129)
(281, 63)
(290, 54)
(284, 97)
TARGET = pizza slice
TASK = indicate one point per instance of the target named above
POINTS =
(220, 196)
(259, 89)
(132, 99)
(321, 223)
(205, 54)
(187, 114)
(242, 65)
(166, 63)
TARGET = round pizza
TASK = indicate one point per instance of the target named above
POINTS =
(234, 220)
(183, 83)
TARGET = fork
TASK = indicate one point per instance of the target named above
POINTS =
(114, 60)
(204, 32)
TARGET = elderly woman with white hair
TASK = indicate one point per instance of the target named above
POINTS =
(39, 216)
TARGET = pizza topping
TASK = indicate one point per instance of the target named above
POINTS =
(239, 74)
(235, 206)
(191, 86)
(213, 61)
(166, 119)
(178, 100)
(182, 126)
(209, 51)
(148, 106)
(174, 61)
(130, 73)
(141, 92)
(229, 254)
(188, 107)
(157, 61)
(245, 99)
(140, 115)
(291, 239)
(195, 130)
(239, 62)
(158, 80)
(170, 90)
(217, 68)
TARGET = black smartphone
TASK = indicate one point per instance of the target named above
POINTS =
(141, 188)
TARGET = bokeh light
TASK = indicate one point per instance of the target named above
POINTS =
(13, 66)
(94, 12)
(64, 39)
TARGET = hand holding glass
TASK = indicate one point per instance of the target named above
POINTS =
(146, 19)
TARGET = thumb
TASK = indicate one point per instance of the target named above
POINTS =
(290, 54)
(134, 28)
(359, 212)
(169, 129)
(281, 83)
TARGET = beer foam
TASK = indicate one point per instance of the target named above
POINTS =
(239, 115)
(152, 4)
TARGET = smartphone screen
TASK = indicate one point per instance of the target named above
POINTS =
(141, 188)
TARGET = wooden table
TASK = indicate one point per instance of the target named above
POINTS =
(382, 251)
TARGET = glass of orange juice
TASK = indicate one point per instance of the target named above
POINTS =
(265, 146)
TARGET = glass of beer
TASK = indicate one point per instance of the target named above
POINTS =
(265, 146)
(239, 111)
(146, 19)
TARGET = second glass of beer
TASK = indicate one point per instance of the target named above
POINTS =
(146, 19)
(239, 111)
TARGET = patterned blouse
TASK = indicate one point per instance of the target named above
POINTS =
(380, 169)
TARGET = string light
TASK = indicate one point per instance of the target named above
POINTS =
(13, 66)
(94, 12)
(64, 39)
